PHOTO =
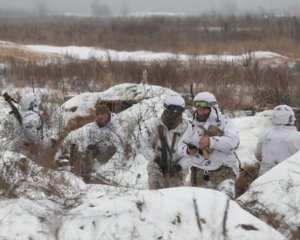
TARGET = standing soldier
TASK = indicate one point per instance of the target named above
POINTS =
(281, 142)
(210, 143)
(166, 168)
(29, 123)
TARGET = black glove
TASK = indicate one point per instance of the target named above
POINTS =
(161, 164)
(175, 169)
(62, 161)
(91, 147)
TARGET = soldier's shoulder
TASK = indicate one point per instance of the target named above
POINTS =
(30, 114)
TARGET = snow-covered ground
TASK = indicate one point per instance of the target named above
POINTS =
(38, 203)
(105, 212)
(108, 54)
(61, 206)
(277, 192)
(264, 57)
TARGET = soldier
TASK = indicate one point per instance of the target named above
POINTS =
(281, 142)
(210, 143)
(28, 129)
(98, 140)
(166, 168)
(32, 123)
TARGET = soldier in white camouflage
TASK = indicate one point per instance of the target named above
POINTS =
(95, 142)
(210, 144)
(166, 168)
(279, 143)
(29, 129)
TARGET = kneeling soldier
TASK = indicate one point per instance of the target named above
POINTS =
(210, 143)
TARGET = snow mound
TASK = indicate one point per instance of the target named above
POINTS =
(7, 122)
(250, 128)
(21, 177)
(277, 192)
(26, 219)
(176, 213)
(82, 105)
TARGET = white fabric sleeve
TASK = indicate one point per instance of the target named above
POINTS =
(149, 136)
(75, 137)
(186, 138)
(117, 136)
(258, 149)
(30, 126)
(230, 139)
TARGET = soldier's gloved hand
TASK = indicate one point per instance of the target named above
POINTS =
(175, 169)
(91, 146)
(191, 149)
(63, 164)
(62, 161)
(162, 165)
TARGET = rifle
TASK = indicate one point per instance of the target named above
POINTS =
(14, 110)
(165, 167)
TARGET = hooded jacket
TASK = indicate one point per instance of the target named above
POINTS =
(93, 135)
(151, 144)
(31, 127)
(277, 145)
(222, 147)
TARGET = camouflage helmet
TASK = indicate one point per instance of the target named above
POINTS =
(283, 115)
(174, 103)
(204, 99)
(30, 101)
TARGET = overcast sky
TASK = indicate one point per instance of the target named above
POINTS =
(178, 6)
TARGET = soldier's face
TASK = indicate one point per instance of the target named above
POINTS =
(202, 114)
(102, 117)
(203, 111)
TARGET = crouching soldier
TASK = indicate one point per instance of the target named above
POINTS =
(94, 143)
(210, 143)
(166, 168)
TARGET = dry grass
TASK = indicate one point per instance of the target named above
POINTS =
(174, 34)
(236, 86)
(8, 53)
(245, 178)
(273, 219)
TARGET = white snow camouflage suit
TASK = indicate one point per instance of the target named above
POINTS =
(151, 148)
(106, 140)
(281, 142)
(222, 148)
(31, 137)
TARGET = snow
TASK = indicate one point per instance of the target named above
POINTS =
(108, 54)
(25, 219)
(278, 191)
(130, 211)
(35, 182)
(83, 104)
(38, 203)
(163, 214)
